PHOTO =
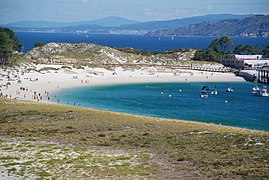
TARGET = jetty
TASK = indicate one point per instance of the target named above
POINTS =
(263, 75)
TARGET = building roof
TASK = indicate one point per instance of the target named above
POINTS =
(248, 57)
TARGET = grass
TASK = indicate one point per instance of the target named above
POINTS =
(188, 147)
(53, 161)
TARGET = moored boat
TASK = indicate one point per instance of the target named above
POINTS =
(205, 88)
(214, 91)
(264, 92)
(255, 90)
(204, 94)
(229, 90)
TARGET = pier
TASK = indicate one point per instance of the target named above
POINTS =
(263, 75)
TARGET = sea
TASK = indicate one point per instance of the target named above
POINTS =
(176, 101)
(240, 108)
(150, 43)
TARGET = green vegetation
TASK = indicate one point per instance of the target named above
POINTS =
(149, 53)
(8, 44)
(39, 44)
(246, 50)
(83, 55)
(51, 160)
(66, 67)
(214, 50)
(48, 69)
(185, 149)
(222, 45)
(225, 42)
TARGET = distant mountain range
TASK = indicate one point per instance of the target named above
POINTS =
(111, 21)
(209, 25)
(175, 23)
(254, 26)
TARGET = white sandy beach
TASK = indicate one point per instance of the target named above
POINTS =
(38, 86)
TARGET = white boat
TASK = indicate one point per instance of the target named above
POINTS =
(255, 90)
(204, 94)
(214, 92)
(264, 92)
(229, 90)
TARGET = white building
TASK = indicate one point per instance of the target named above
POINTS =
(243, 61)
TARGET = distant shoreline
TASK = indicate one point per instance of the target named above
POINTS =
(148, 43)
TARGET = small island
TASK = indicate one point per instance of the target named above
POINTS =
(47, 140)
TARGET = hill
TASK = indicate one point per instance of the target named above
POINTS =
(111, 21)
(254, 26)
(115, 25)
(91, 54)
(175, 23)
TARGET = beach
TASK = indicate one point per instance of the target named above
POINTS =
(37, 86)
(50, 139)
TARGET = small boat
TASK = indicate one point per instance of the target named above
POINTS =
(229, 90)
(264, 92)
(255, 90)
(205, 88)
(214, 91)
(204, 94)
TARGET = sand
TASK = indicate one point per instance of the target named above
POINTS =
(38, 86)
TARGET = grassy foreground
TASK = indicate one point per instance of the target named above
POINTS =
(53, 141)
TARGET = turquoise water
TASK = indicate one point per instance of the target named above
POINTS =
(243, 109)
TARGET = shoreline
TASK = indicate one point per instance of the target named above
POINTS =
(26, 85)
(150, 118)
(38, 87)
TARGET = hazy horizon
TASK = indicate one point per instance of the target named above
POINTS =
(123, 18)
(151, 10)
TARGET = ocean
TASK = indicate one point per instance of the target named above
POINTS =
(28, 39)
(243, 109)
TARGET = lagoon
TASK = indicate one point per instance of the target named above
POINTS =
(243, 109)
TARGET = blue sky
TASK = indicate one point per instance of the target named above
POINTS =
(140, 10)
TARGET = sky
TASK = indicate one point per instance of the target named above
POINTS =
(139, 10)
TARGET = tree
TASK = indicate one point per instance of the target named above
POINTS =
(5, 47)
(206, 55)
(214, 45)
(212, 55)
(14, 41)
(38, 44)
(250, 50)
(239, 49)
(224, 42)
(199, 55)
(246, 50)
(8, 44)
